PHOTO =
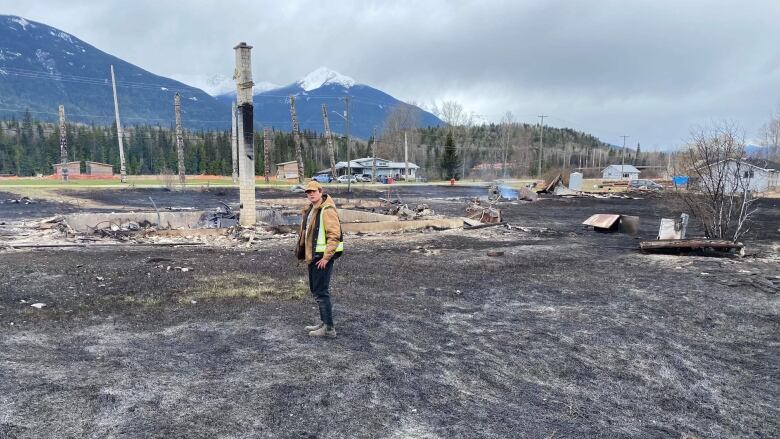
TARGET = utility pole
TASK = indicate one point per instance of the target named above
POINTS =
(179, 137)
(297, 140)
(234, 142)
(636, 155)
(373, 161)
(406, 158)
(267, 152)
(541, 146)
(119, 133)
(329, 140)
(246, 135)
(623, 157)
(63, 145)
(349, 158)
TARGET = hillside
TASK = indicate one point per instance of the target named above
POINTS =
(42, 67)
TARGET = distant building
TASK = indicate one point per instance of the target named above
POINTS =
(74, 168)
(488, 166)
(100, 169)
(620, 172)
(756, 174)
(575, 181)
(287, 171)
(383, 168)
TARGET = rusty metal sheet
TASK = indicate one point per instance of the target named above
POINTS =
(602, 220)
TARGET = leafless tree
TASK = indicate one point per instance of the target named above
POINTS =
(404, 118)
(452, 113)
(770, 134)
(506, 133)
(720, 199)
(460, 122)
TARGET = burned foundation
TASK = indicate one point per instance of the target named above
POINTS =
(192, 223)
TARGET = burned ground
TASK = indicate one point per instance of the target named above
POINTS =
(570, 333)
(12, 209)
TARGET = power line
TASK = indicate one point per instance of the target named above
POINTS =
(623, 155)
(541, 144)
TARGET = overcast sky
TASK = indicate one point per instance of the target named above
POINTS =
(646, 69)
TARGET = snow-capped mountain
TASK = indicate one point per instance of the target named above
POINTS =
(369, 107)
(324, 76)
(42, 67)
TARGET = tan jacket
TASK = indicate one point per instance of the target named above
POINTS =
(306, 244)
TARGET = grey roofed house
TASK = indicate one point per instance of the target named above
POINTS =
(620, 172)
(763, 164)
(383, 167)
(757, 174)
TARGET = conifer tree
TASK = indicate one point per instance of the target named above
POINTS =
(449, 160)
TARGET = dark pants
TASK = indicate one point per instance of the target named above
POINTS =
(319, 281)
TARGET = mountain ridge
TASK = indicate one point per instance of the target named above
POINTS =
(42, 67)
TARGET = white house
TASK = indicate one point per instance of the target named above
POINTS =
(620, 172)
(383, 167)
(756, 175)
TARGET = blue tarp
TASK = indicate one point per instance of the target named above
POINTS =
(508, 193)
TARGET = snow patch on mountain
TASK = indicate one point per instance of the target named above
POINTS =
(61, 35)
(322, 76)
(45, 59)
(263, 86)
(22, 22)
(8, 55)
(218, 84)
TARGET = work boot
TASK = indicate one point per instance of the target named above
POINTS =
(324, 331)
(314, 327)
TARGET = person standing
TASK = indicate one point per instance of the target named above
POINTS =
(320, 242)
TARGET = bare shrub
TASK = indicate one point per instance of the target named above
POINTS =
(720, 197)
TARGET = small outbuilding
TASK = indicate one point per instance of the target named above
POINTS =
(575, 181)
(287, 171)
(100, 169)
(620, 172)
(74, 168)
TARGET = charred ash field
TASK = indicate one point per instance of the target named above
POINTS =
(564, 333)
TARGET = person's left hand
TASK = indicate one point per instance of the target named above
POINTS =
(321, 263)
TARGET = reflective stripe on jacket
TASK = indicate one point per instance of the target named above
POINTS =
(322, 244)
(324, 225)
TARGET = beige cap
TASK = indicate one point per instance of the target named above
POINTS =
(313, 186)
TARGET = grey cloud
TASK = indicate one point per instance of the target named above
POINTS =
(650, 69)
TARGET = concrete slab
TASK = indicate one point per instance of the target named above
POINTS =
(87, 222)
(185, 223)
(359, 216)
(341, 203)
(394, 226)
(183, 233)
